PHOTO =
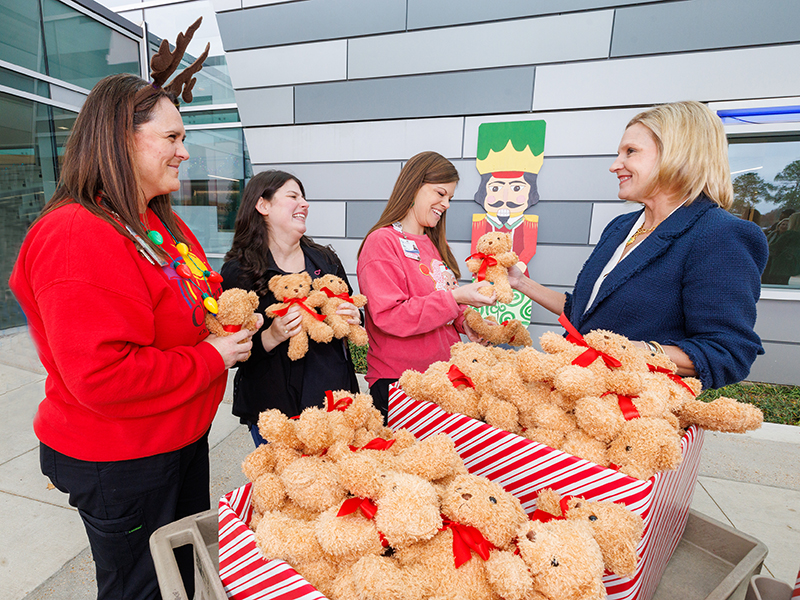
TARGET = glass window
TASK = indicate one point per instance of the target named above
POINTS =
(30, 143)
(24, 83)
(21, 41)
(211, 184)
(81, 50)
(766, 187)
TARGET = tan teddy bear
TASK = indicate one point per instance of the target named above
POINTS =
(295, 289)
(645, 446)
(511, 332)
(491, 262)
(471, 558)
(236, 311)
(335, 289)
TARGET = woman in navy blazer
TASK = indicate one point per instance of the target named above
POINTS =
(683, 274)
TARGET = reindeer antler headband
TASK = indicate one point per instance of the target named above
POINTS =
(164, 63)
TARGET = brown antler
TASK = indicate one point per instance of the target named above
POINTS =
(164, 63)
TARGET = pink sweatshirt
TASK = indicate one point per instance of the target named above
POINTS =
(411, 316)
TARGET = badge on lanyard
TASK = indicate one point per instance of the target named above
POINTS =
(409, 248)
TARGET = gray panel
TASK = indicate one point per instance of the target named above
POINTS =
(466, 93)
(459, 221)
(563, 222)
(704, 24)
(266, 106)
(438, 13)
(778, 365)
(308, 21)
(342, 181)
(558, 265)
(584, 178)
(778, 320)
(576, 36)
(361, 216)
(287, 65)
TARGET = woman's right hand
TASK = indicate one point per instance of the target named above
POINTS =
(468, 294)
(282, 328)
(232, 348)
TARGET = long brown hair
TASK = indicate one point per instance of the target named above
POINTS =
(422, 168)
(98, 171)
(251, 236)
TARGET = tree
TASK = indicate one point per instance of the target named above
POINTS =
(788, 186)
(748, 190)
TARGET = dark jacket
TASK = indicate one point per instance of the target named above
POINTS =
(692, 283)
(271, 379)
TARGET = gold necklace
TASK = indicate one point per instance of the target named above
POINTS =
(637, 233)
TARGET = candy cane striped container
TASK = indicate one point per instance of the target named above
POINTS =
(524, 467)
(245, 574)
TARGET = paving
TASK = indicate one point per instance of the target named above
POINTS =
(750, 482)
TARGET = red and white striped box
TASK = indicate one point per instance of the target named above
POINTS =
(796, 592)
(245, 574)
(524, 467)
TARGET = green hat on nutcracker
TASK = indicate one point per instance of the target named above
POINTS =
(509, 152)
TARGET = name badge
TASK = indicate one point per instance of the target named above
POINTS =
(409, 248)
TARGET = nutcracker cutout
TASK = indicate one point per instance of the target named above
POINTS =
(508, 159)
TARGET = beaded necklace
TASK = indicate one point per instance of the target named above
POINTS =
(181, 265)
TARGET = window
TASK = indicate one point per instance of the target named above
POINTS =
(766, 186)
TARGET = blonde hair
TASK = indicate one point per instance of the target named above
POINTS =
(692, 152)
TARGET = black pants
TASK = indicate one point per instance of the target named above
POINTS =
(123, 502)
(380, 396)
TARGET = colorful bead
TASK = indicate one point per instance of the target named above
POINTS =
(182, 248)
(184, 271)
(213, 276)
(210, 304)
(155, 237)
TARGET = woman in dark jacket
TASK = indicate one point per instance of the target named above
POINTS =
(270, 240)
(682, 275)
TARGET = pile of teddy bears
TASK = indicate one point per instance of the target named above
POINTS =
(597, 397)
(365, 513)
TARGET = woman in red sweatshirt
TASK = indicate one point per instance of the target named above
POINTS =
(115, 289)
(407, 271)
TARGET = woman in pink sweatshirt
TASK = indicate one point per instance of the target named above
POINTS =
(407, 271)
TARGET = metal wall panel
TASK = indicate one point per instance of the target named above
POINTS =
(704, 25)
(381, 140)
(778, 365)
(285, 65)
(342, 181)
(309, 21)
(326, 219)
(778, 321)
(577, 36)
(721, 75)
(445, 94)
(266, 106)
(556, 265)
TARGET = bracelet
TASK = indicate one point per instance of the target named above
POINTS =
(650, 347)
(658, 347)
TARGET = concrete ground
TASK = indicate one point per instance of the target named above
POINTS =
(750, 482)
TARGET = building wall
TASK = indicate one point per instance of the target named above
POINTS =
(341, 93)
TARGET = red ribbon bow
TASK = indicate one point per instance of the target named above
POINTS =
(544, 516)
(466, 538)
(487, 260)
(232, 328)
(626, 405)
(344, 295)
(376, 444)
(457, 377)
(506, 323)
(591, 354)
(301, 302)
(674, 376)
(351, 505)
(341, 405)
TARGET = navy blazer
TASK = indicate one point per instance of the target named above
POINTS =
(692, 283)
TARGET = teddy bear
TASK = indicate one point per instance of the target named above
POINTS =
(616, 529)
(295, 289)
(511, 332)
(490, 263)
(564, 559)
(471, 557)
(722, 414)
(336, 292)
(645, 446)
(236, 311)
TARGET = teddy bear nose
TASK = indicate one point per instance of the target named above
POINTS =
(466, 496)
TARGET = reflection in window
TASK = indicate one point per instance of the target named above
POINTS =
(766, 186)
(81, 50)
(31, 143)
(21, 42)
(211, 184)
